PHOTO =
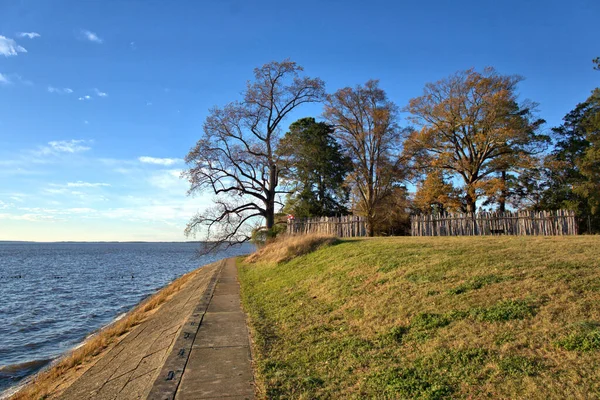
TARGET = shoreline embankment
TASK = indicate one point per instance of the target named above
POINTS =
(136, 343)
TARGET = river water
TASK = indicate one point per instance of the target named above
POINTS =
(53, 295)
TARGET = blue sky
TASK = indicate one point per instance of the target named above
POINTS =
(101, 100)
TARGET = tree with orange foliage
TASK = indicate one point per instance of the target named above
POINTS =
(435, 195)
(473, 127)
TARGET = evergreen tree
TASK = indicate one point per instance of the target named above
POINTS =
(574, 165)
(316, 167)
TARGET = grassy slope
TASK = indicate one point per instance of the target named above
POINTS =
(508, 317)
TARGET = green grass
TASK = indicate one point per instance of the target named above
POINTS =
(584, 337)
(429, 318)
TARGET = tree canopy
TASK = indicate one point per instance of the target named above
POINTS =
(365, 122)
(473, 127)
(574, 164)
(317, 168)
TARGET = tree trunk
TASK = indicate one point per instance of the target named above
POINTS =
(270, 206)
(470, 200)
(370, 226)
(270, 217)
(503, 194)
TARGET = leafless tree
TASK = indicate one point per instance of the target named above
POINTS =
(236, 157)
(365, 123)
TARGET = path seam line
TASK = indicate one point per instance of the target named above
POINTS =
(167, 382)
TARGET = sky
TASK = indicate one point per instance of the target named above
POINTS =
(101, 100)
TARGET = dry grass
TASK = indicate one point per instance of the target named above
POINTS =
(51, 382)
(429, 318)
(286, 248)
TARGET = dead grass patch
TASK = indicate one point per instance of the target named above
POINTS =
(287, 248)
(51, 382)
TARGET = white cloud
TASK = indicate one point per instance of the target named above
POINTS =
(69, 146)
(100, 94)
(91, 36)
(64, 146)
(4, 79)
(66, 90)
(86, 97)
(34, 214)
(30, 35)
(8, 47)
(168, 179)
(56, 191)
(81, 210)
(86, 184)
(159, 161)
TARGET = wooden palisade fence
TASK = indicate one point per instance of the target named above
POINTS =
(346, 226)
(561, 222)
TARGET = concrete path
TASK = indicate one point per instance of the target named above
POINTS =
(195, 346)
(128, 370)
(219, 362)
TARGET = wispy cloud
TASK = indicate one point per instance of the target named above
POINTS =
(86, 97)
(159, 161)
(8, 79)
(86, 184)
(100, 94)
(64, 146)
(32, 217)
(66, 90)
(91, 36)
(8, 47)
(168, 179)
(23, 80)
(30, 35)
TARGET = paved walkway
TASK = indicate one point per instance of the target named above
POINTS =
(195, 346)
(219, 363)
(128, 370)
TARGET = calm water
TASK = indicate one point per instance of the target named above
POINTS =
(52, 295)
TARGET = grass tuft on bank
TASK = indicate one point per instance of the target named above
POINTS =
(428, 318)
(286, 248)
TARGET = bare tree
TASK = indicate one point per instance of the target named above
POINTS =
(365, 122)
(236, 157)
